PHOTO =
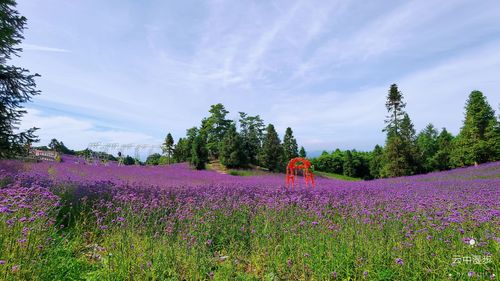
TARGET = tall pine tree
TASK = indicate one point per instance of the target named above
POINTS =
(400, 136)
(409, 147)
(231, 154)
(442, 159)
(290, 147)
(395, 107)
(427, 147)
(272, 150)
(492, 139)
(17, 85)
(477, 140)
(191, 134)
(199, 152)
(251, 131)
(181, 151)
(214, 127)
(302, 152)
(168, 146)
(376, 161)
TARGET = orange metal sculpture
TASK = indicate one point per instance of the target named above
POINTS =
(294, 166)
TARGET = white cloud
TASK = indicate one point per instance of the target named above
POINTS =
(33, 47)
(78, 134)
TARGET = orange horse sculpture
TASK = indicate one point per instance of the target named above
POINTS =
(294, 166)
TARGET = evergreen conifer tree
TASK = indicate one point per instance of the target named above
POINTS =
(17, 85)
(214, 127)
(199, 152)
(231, 154)
(427, 147)
(302, 152)
(349, 169)
(442, 159)
(376, 162)
(168, 146)
(400, 149)
(272, 150)
(477, 140)
(290, 147)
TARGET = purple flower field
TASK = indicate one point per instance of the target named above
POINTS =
(74, 220)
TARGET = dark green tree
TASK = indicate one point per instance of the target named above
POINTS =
(54, 144)
(400, 149)
(128, 160)
(476, 142)
(231, 153)
(322, 162)
(251, 131)
(492, 136)
(441, 158)
(191, 134)
(376, 162)
(60, 147)
(272, 150)
(361, 164)
(395, 107)
(330, 162)
(181, 151)
(349, 169)
(409, 147)
(168, 146)
(427, 145)
(302, 152)
(153, 159)
(337, 162)
(199, 152)
(394, 161)
(290, 147)
(214, 127)
(17, 85)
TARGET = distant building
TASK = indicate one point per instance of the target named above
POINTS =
(46, 155)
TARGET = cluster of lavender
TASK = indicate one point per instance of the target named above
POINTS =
(175, 201)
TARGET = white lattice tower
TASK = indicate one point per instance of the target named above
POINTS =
(155, 147)
(112, 148)
(106, 149)
(92, 147)
(138, 148)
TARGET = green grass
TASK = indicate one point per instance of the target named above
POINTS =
(247, 173)
(335, 176)
(252, 171)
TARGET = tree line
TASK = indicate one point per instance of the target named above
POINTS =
(408, 153)
(245, 143)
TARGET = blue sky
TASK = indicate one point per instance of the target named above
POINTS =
(130, 71)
